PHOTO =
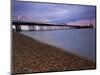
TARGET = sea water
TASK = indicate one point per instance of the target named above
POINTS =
(77, 41)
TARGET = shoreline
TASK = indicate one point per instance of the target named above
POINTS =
(30, 56)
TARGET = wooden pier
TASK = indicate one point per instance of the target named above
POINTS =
(32, 26)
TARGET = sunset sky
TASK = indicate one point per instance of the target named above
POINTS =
(54, 13)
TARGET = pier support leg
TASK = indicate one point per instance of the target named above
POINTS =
(18, 28)
(33, 27)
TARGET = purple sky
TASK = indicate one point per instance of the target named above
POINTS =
(53, 13)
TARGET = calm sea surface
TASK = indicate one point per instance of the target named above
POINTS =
(78, 41)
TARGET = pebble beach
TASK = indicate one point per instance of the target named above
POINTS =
(32, 56)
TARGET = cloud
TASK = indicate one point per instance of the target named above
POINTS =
(54, 13)
(83, 22)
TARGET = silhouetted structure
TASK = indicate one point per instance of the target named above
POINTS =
(33, 24)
